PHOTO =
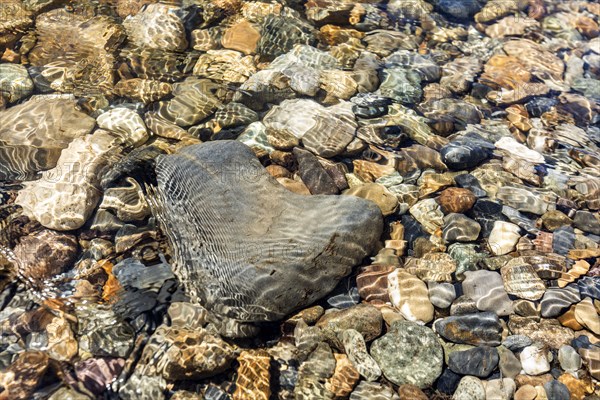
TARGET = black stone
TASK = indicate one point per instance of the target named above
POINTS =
(448, 381)
(486, 212)
(589, 286)
(479, 361)
(466, 152)
(556, 390)
(314, 176)
(468, 181)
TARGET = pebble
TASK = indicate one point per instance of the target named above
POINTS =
(385, 200)
(569, 359)
(521, 280)
(427, 212)
(479, 361)
(48, 122)
(556, 390)
(356, 349)
(459, 228)
(503, 237)
(409, 353)
(516, 342)
(442, 294)
(509, 364)
(587, 222)
(456, 200)
(500, 389)
(587, 315)
(469, 388)
(534, 360)
(15, 82)
(486, 288)
(314, 176)
(479, 329)
(557, 300)
(409, 295)
(344, 378)
(363, 318)
(186, 354)
(526, 392)
(547, 331)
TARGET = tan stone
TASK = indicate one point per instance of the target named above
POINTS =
(242, 36)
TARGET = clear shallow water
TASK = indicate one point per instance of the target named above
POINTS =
(471, 125)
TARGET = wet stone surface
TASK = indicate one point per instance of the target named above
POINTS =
(231, 199)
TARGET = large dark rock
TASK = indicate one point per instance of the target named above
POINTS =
(244, 246)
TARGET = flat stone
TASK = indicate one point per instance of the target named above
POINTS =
(587, 222)
(556, 390)
(409, 295)
(509, 364)
(534, 360)
(376, 193)
(478, 361)
(557, 300)
(516, 342)
(242, 36)
(239, 185)
(460, 228)
(409, 353)
(503, 237)
(476, 329)
(569, 359)
(442, 294)
(547, 331)
(500, 389)
(486, 288)
(313, 124)
(355, 347)
(65, 197)
(36, 131)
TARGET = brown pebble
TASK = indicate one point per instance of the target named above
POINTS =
(456, 200)
(526, 392)
(538, 380)
(294, 186)
(411, 392)
(242, 36)
(277, 171)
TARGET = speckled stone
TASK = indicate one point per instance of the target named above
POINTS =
(500, 389)
(364, 318)
(409, 353)
(469, 388)
(547, 331)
